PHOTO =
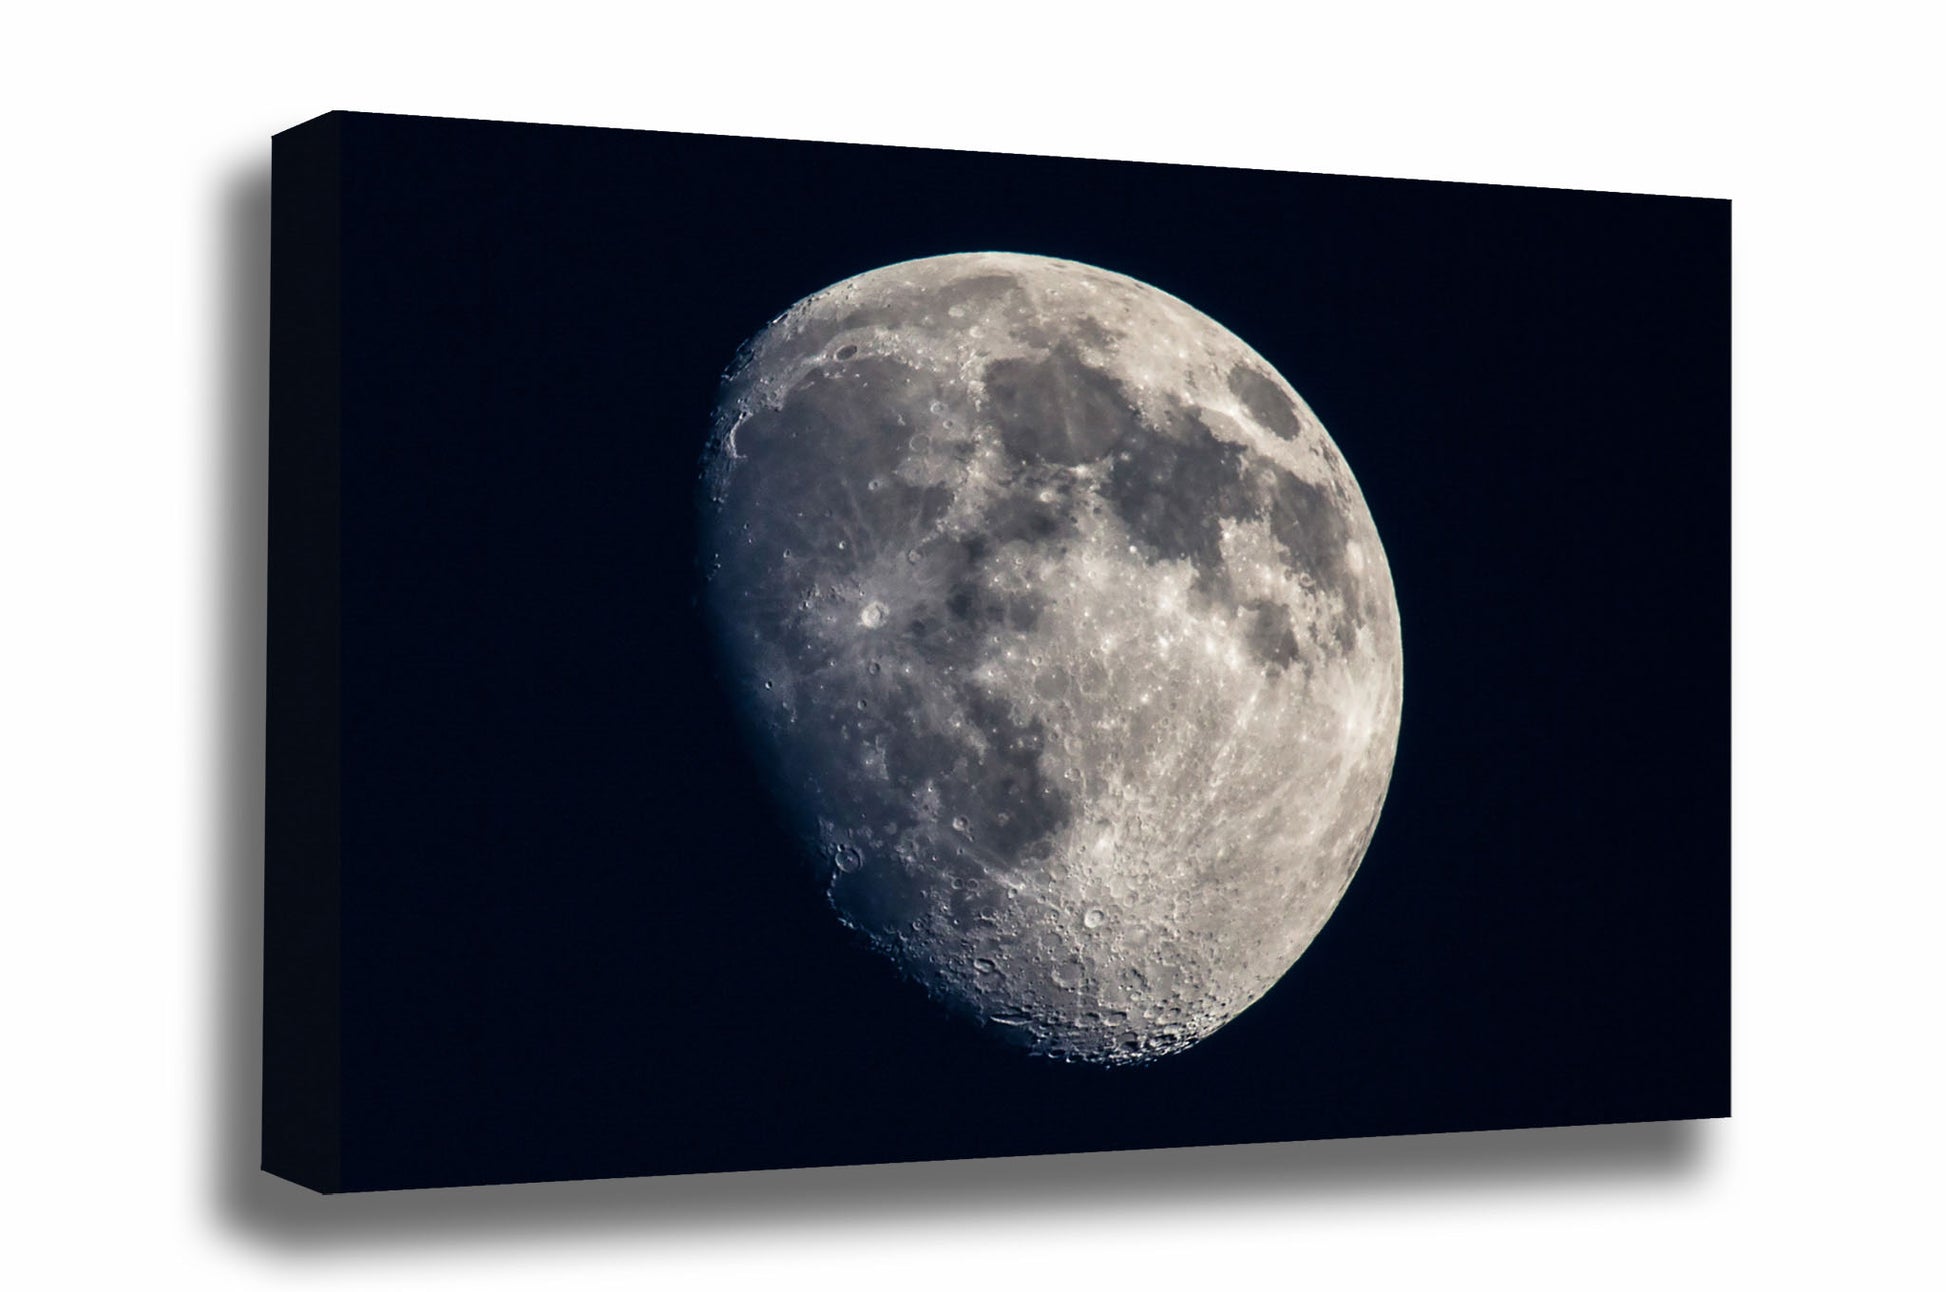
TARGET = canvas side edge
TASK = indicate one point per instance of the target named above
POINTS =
(302, 1043)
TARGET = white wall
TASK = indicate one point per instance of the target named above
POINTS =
(130, 497)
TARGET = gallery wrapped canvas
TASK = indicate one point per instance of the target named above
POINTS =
(788, 654)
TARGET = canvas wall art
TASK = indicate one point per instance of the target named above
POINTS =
(792, 654)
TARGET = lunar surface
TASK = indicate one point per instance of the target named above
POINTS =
(1066, 635)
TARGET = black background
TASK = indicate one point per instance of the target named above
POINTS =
(576, 941)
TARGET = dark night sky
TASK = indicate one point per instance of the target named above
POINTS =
(576, 939)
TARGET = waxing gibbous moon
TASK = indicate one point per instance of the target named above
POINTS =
(1067, 637)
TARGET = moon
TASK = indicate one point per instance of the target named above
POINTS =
(1065, 635)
